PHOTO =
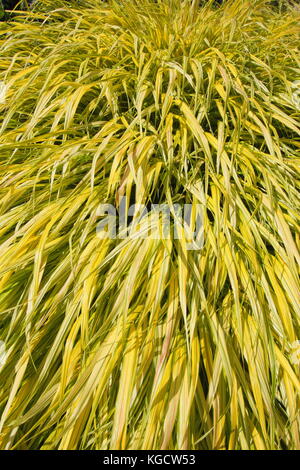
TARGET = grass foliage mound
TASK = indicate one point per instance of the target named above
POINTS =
(139, 342)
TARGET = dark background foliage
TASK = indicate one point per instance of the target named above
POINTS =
(11, 4)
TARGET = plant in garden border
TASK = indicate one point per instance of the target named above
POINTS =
(141, 343)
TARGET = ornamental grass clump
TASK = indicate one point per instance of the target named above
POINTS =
(136, 341)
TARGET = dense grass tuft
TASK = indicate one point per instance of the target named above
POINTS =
(140, 343)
